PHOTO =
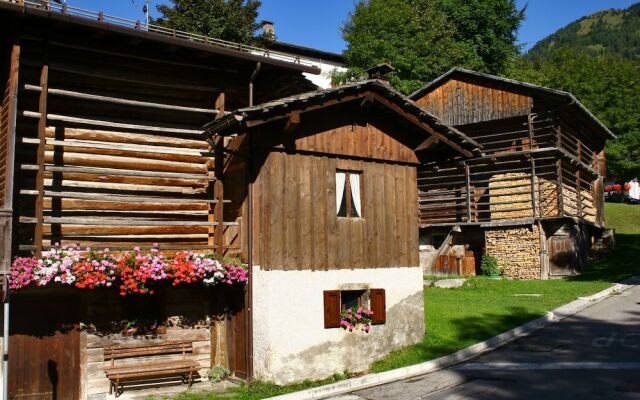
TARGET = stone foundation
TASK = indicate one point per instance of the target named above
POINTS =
(517, 250)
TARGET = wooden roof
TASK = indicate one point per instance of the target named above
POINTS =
(517, 87)
(372, 90)
(59, 17)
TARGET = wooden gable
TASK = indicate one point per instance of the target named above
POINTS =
(463, 101)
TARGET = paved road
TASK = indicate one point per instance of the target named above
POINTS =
(594, 354)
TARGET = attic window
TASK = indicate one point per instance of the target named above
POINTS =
(348, 194)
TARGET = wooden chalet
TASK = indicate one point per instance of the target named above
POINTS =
(100, 144)
(534, 199)
(325, 188)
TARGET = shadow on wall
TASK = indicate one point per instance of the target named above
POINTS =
(357, 350)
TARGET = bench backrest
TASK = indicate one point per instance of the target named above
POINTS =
(151, 349)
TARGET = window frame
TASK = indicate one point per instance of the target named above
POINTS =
(371, 298)
(348, 196)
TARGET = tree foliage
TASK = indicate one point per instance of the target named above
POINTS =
(608, 85)
(232, 20)
(424, 38)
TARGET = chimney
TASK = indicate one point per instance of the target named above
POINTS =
(269, 28)
(380, 71)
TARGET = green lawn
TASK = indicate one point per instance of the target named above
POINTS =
(457, 318)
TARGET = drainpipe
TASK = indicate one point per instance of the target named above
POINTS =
(251, 80)
(250, 162)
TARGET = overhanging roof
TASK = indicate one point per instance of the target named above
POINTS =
(100, 22)
(320, 98)
(517, 86)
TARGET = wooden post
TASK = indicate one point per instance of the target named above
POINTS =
(530, 126)
(559, 185)
(578, 194)
(533, 187)
(6, 213)
(218, 185)
(579, 150)
(468, 182)
(42, 128)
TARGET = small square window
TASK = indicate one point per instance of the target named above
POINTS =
(352, 298)
(349, 194)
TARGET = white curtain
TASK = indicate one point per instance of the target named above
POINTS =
(354, 180)
(340, 180)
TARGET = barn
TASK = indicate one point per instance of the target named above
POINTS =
(534, 199)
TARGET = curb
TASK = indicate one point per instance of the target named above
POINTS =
(459, 356)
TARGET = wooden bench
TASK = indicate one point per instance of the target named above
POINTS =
(119, 374)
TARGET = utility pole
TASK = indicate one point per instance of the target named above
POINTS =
(145, 9)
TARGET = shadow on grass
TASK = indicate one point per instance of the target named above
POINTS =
(618, 264)
(469, 330)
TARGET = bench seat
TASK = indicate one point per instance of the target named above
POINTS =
(118, 374)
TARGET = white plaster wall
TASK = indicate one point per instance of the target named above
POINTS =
(323, 81)
(290, 341)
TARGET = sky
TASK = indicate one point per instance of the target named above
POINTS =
(317, 24)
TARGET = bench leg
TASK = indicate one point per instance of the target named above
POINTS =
(190, 378)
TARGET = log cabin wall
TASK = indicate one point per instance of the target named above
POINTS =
(108, 146)
(295, 216)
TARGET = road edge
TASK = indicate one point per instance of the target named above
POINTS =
(459, 356)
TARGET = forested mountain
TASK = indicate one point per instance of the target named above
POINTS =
(614, 32)
(597, 58)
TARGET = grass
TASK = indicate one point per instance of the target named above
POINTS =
(261, 390)
(482, 308)
(452, 323)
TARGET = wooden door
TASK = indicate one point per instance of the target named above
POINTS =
(44, 350)
(562, 256)
(238, 361)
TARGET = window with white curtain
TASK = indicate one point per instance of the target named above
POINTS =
(348, 194)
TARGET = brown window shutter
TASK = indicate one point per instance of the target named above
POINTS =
(378, 306)
(331, 308)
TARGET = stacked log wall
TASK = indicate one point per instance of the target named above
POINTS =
(517, 250)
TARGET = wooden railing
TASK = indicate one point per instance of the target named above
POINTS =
(511, 187)
(52, 6)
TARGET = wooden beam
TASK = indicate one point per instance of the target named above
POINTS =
(533, 187)
(292, 123)
(578, 194)
(116, 100)
(468, 187)
(111, 124)
(93, 144)
(118, 172)
(42, 136)
(559, 186)
(119, 198)
(217, 211)
(6, 215)
(427, 143)
(413, 119)
(119, 222)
